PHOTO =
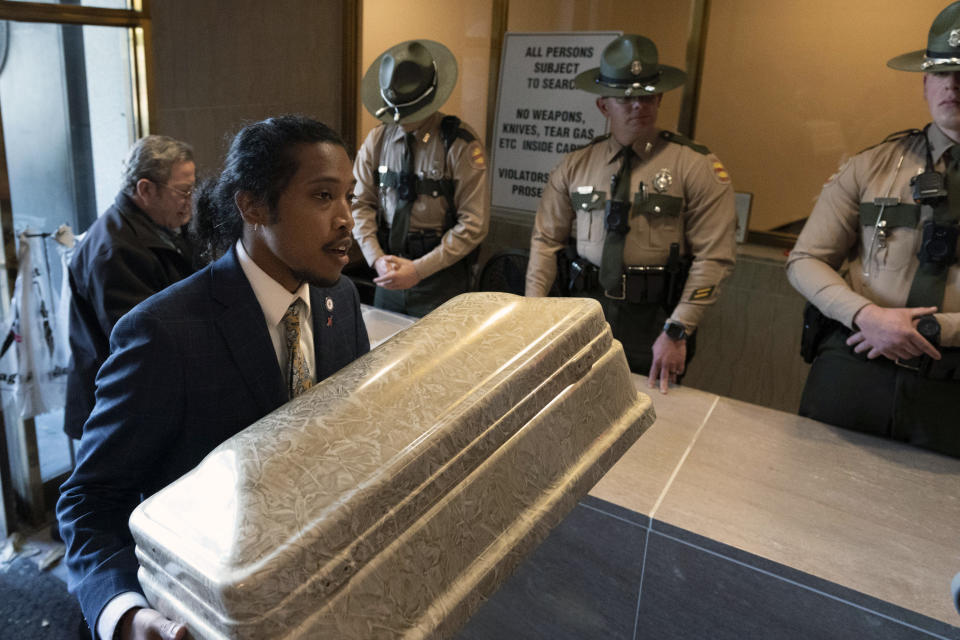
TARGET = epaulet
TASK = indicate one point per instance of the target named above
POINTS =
(598, 139)
(893, 137)
(902, 134)
(670, 136)
(450, 130)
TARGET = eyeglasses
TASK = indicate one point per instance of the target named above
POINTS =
(183, 194)
(631, 99)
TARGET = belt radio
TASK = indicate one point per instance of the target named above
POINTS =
(928, 188)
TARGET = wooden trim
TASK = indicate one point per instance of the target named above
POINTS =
(696, 46)
(498, 29)
(147, 115)
(71, 14)
(143, 87)
(772, 238)
(350, 81)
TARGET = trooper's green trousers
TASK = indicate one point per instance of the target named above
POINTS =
(428, 294)
(880, 397)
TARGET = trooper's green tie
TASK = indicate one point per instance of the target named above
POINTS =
(930, 280)
(406, 195)
(611, 261)
(298, 373)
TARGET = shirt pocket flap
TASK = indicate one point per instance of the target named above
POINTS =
(658, 204)
(588, 200)
(901, 214)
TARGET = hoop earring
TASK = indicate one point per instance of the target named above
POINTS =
(256, 227)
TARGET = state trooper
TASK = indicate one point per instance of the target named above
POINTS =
(877, 261)
(422, 206)
(648, 216)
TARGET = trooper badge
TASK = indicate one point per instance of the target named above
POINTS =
(954, 38)
(662, 181)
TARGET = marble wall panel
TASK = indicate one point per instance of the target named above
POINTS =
(695, 588)
(876, 516)
(748, 346)
(581, 582)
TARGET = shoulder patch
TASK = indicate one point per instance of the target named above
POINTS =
(720, 172)
(477, 158)
(670, 136)
(702, 293)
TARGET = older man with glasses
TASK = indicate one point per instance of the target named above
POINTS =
(135, 249)
(654, 212)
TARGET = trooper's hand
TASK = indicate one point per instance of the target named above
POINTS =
(403, 275)
(669, 360)
(149, 624)
(891, 333)
(384, 264)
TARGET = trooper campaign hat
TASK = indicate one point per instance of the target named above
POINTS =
(943, 46)
(409, 81)
(629, 67)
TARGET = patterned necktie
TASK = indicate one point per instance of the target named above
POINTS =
(611, 261)
(406, 194)
(298, 373)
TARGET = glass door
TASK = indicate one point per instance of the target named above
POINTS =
(72, 101)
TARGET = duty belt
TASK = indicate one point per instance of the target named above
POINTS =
(946, 368)
(420, 243)
(640, 283)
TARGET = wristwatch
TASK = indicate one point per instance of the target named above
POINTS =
(929, 328)
(675, 330)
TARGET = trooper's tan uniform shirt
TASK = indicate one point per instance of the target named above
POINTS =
(465, 165)
(829, 264)
(697, 213)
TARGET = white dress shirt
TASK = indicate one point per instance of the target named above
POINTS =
(274, 299)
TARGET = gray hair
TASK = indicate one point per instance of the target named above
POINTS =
(153, 157)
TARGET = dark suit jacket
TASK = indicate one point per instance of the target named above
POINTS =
(122, 260)
(189, 367)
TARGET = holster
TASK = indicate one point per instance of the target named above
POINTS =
(581, 277)
(816, 327)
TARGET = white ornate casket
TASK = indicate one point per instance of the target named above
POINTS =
(390, 498)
